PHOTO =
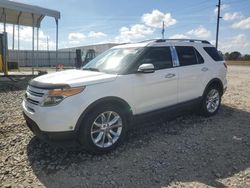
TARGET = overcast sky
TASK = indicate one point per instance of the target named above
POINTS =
(85, 22)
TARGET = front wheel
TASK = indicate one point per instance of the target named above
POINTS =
(103, 129)
(211, 101)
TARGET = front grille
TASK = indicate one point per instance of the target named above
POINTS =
(32, 101)
(34, 95)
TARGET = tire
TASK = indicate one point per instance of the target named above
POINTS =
(93, 129)
(211, 101)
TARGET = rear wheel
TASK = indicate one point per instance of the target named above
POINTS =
(103, 129)
(211, 101)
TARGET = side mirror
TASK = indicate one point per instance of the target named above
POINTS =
(146, 68)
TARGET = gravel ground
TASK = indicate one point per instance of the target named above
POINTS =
(189, 151)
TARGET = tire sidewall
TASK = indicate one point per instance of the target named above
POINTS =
(85, 129)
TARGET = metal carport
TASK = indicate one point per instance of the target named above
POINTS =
(26, 15)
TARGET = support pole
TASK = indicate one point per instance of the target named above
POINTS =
(18, 37)
(37, 38)
(4, 23)
(37, 44)
(218, 24)
(47, 43)
(13, 37)
(33, 43)
(39, 20)
(56, 42)
(5, 64)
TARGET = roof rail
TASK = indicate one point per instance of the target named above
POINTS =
(178, 40)
(183, 40)
(150, 40)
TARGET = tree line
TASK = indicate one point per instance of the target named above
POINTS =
(236, 56)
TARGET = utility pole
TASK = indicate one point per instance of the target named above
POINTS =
(218, 23)
(163, 29)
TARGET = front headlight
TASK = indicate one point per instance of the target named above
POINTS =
(55, 96)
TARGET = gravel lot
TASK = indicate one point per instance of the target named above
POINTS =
(190, 151)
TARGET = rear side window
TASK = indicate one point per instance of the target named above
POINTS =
(213, 53)
(188, 55)
(199, 57)
(160, 57)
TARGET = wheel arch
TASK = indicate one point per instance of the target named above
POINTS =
(214, 81)
(106, 100)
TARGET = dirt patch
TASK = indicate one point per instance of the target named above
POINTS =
(189, 151)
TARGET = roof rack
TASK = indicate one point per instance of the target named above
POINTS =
(178, 40)
(149, 40)
(183, 40)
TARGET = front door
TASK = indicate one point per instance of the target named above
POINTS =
(158, 89)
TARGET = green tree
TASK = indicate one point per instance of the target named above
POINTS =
(226, 56)
(235, 56)
(246, 57)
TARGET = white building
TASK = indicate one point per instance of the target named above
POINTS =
(99, 48)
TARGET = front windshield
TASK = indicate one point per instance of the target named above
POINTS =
(114, 60)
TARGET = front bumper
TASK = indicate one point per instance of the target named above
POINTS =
(59, 118)
(51, 137)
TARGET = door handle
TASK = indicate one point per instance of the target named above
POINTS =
(204, 69)
(170, 75)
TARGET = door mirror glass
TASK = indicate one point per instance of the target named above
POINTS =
(146, 68)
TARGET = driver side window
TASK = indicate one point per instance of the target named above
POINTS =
(160, 57)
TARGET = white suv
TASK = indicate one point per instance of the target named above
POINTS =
(96, 104)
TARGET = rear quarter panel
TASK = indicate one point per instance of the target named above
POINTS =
(216, 68)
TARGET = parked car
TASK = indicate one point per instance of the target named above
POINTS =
(96, 105)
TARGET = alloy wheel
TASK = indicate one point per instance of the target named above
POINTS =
(213, 100)
(106, 129)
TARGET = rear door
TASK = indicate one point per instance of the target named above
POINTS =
(159, 89)
(193, 73)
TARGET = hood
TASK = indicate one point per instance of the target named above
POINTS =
(74, 78)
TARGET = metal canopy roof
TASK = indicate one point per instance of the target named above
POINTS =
(22, 14)
(27, 15)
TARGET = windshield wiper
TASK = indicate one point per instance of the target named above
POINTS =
(91, 69)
